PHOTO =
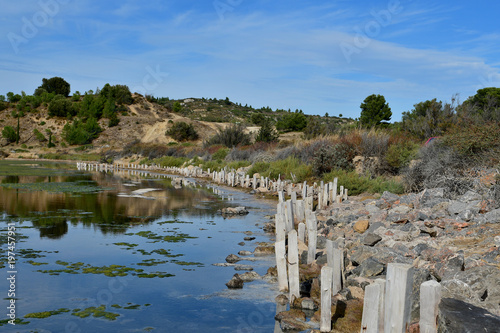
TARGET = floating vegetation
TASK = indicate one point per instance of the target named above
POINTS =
(110, 271)
(96, 312)
(173, 221)
(151, 262)
(17, 321)
(128, 245)
(36, 263)
(188, 263)
(56, 187)
(46, 314)
(30, 253)
(178, 237)
(132, 307)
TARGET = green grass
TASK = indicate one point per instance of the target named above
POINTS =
(357, 184)
(283, 168)
(71, 157)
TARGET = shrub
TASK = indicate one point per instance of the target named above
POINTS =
(296, 121)
(39, 136)
(330, 157)
(400, 154)
(181, 131)
(438, 166)
(55, 85)
(231, 136)
(61, 107)
(220, 154)
(79, 133)
(357, 184)
(3, 105)
(9, 133)
(373, 143)
(267, 133)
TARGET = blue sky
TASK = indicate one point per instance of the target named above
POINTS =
(318, 56)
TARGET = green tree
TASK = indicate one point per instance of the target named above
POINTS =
(374, 110)
(258, 119)
(56, 85)
(267, 133)
(177, 107)
(119, 93)
(429, 118)
(296, 121)
(13, 98)
(79, 133)
(181, 131)
(9, 133)
(61, 107)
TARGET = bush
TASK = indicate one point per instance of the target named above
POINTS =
(55, 85)
(3, 105)
(267, 133)
(39, 136)
(61, 107)
(296, 121)
(220, 154)
(438, 166)
(231, 136)
(181, 131)
(357, 184)
(400, 154)
(9, 133)
(330, 157)
(79, 133)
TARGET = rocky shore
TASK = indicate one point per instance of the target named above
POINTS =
(453, 241)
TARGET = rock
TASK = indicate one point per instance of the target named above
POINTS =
(370, 267)
(232, 258)
(371, 239)
(389, 197)
(264, 250)
(308, 304)
(234, 211)
(243, 268)
(281, 299)
(361, 226)
(492, 217)
(497, 241)
(401, 209)
(293, 320)
(248, 238)
(470, 196)
(235, 283)
(249, 276)
(456, 316)
(321, 242)
(456, 207)
(245, 253)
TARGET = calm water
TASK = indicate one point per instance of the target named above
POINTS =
(72, 226)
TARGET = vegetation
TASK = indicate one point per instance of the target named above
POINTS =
(231, 136)
(181, 131)
(9, 133)
(56, 85)
(374, 110)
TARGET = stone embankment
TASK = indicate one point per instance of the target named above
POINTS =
(455, 242)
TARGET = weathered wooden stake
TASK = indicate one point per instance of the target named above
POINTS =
(398, 297)
(302, 232)
(430, 297)
(326, 299)
(293, 266)
(373, 308)
(280, 251)
(312, 236)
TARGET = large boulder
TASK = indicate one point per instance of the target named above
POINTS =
(456, 316)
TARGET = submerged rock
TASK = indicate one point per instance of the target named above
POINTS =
(236, 282)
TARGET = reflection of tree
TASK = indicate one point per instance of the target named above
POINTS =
(50, 212)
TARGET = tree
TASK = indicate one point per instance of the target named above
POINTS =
(181, 131)
(429, 118)
(267, 133)
(258, 119)
(296, 121)
(61, 107)
(9, 133)
(56, 85)
(374, 110)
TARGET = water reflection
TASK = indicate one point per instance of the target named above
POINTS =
(104, 201)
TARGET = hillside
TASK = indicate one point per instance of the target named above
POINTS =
(145, 121)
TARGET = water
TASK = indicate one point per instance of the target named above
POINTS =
(72, 226)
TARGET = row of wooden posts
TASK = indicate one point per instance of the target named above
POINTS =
(326, 193)
(387, 303)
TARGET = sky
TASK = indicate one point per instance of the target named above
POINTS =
(317, 56)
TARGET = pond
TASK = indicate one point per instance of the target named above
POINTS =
(123, 252)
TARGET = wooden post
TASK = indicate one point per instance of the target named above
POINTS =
(335, 258)
(373, 308)
(398, 298)
(290, 215)
(302, 232)
(430, 297)
(280, 250)
(326, 299)
(293, 266)
(312, 236)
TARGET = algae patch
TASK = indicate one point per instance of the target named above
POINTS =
(96, 312)
(46, 314)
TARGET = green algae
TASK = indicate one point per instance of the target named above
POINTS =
(151, 262)
(96, 312)
(55, 187)
(34, 263)
(46, 314)
(17, 321)
(188, 263)
(176, 238)
(128, 245)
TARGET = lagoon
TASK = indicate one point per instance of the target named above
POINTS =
(103, 252)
